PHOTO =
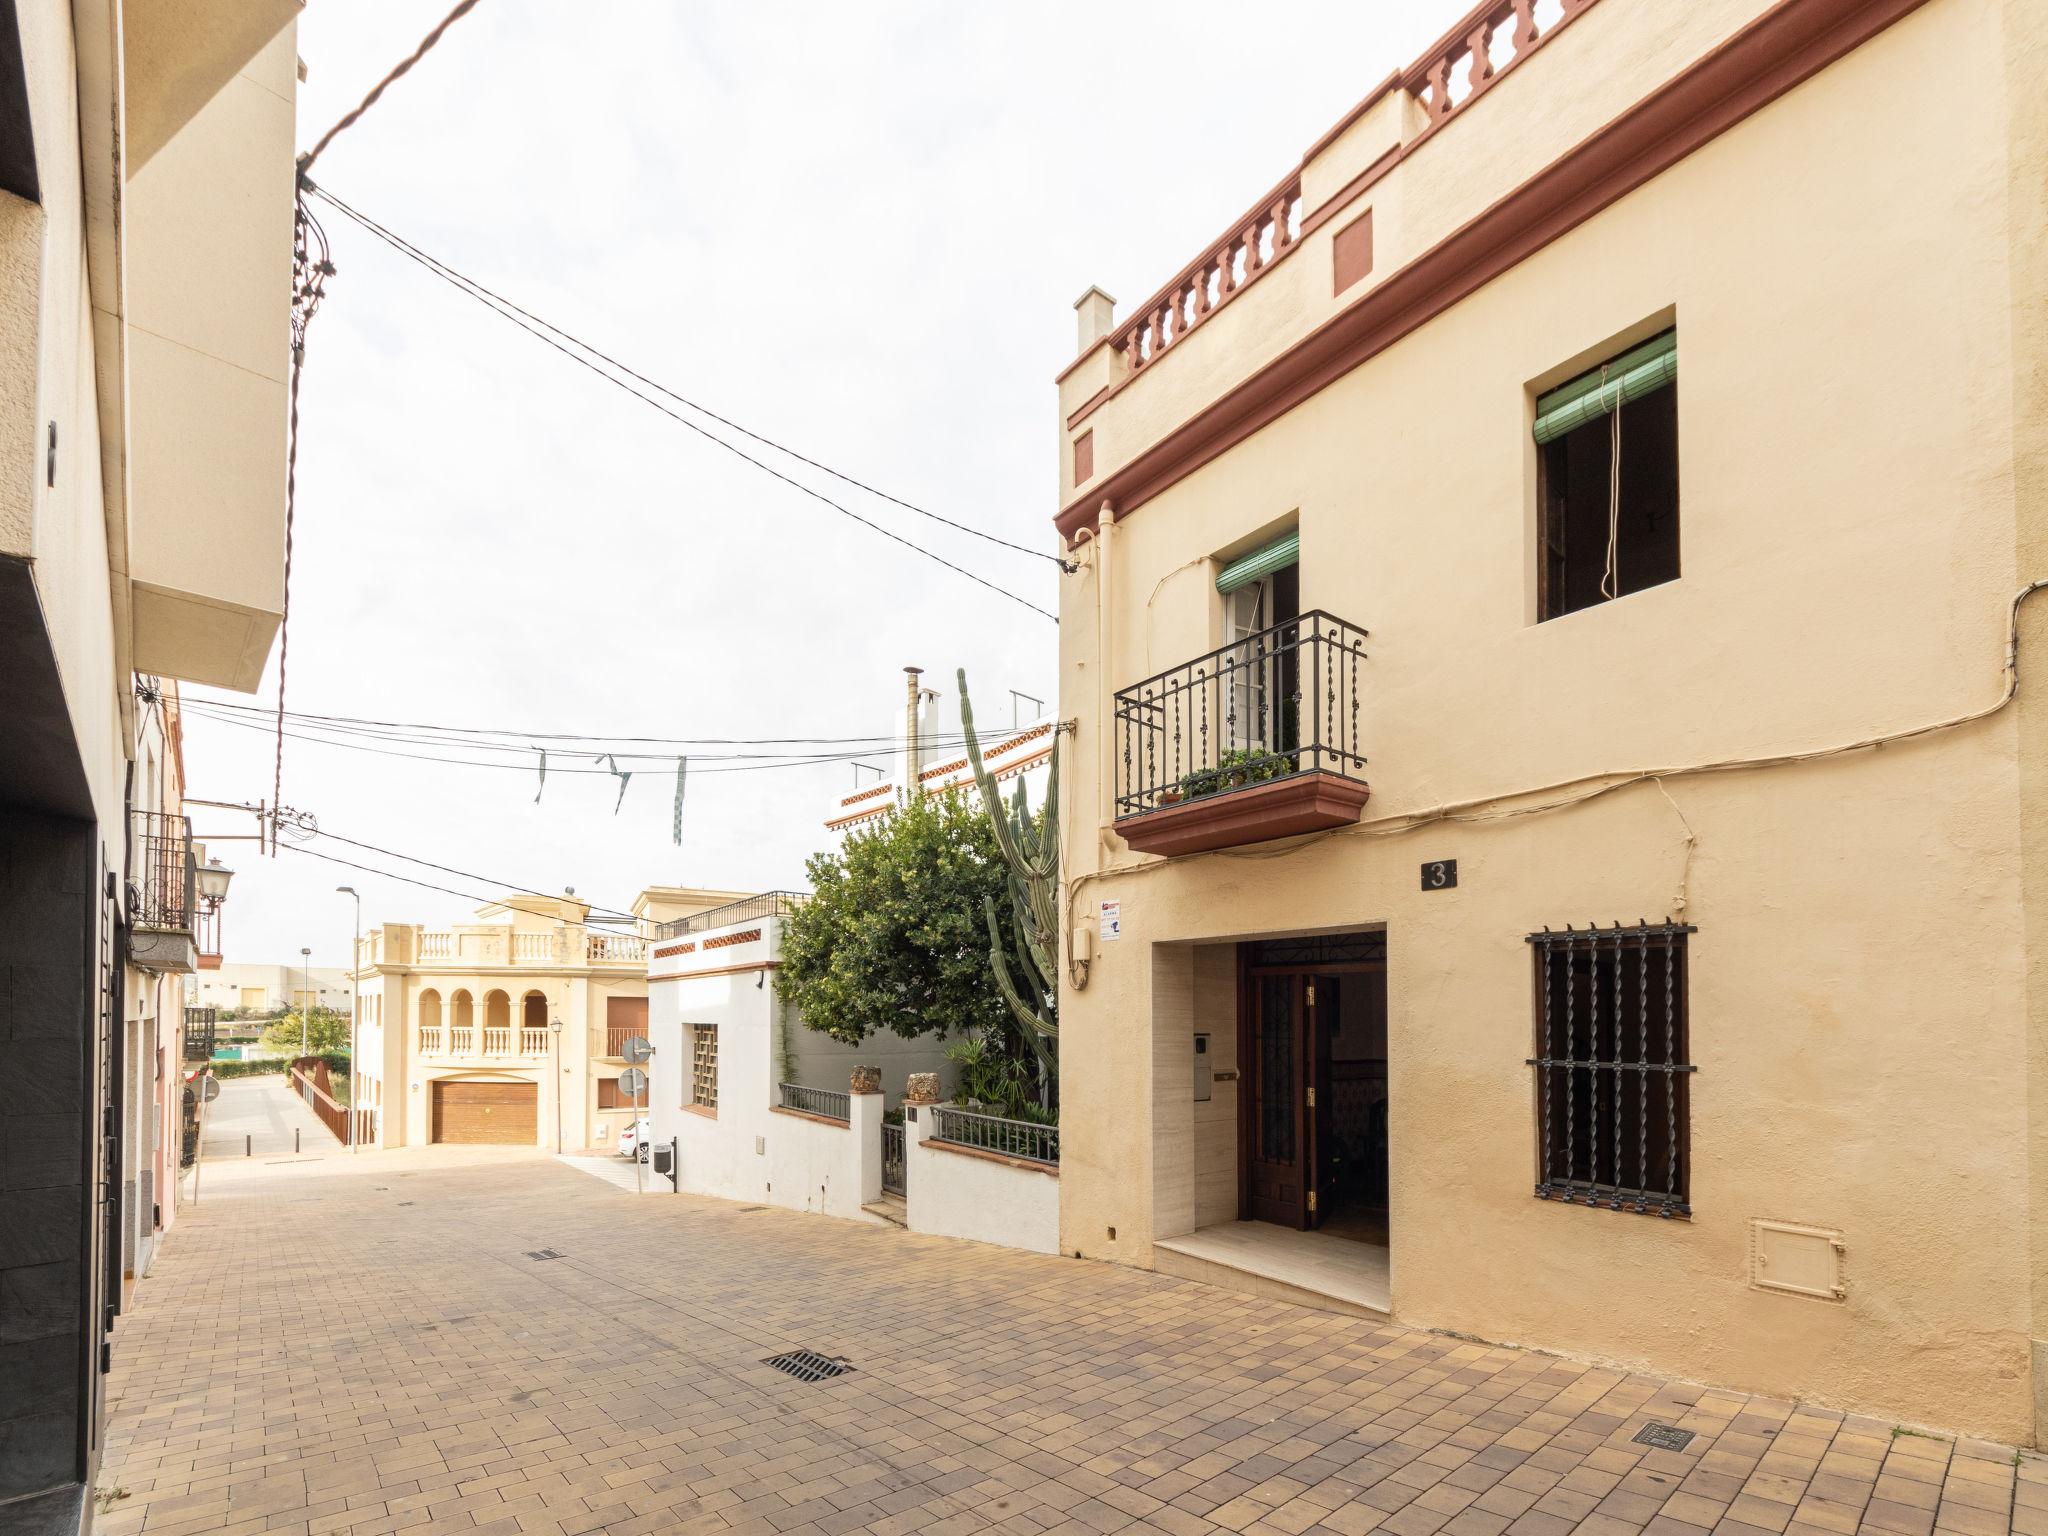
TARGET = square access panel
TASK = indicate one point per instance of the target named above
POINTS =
(1802, 1260)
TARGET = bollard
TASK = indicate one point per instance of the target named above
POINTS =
(249, 1145)
(295, 1141)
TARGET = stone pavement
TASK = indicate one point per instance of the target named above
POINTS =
(368, 1345)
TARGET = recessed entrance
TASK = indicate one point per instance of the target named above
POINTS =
(1313, 1032)
(1290, 1124)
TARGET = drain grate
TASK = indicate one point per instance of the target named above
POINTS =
(808, 1365)
(542, 1255)
(1664, 1437)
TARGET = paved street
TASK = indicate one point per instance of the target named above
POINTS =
(368, 1345)
(259, 1116)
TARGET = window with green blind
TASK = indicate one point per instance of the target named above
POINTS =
(1607, 471)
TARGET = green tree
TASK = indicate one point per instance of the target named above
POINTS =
(326, 1030)
(894, 937)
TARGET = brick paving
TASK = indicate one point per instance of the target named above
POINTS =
(363, 1345)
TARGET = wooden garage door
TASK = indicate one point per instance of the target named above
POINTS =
(486, 1112)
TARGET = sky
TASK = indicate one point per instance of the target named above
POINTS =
(857, 228)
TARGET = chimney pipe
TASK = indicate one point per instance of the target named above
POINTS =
(913, 757)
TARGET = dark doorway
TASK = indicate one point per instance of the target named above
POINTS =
(1314, 1048)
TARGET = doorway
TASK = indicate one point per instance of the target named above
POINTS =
(1313, 1042)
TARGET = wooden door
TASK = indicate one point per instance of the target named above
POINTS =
(1277, 1136)
(478, 1113)
(1322, 998)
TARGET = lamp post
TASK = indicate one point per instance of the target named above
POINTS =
(555, 1041)
(355, 1008)
(305, 999)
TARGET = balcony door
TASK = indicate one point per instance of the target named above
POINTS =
(1261, 661)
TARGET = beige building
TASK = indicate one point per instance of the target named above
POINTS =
(509, 1029)
(1643, 1007)
(146, 194)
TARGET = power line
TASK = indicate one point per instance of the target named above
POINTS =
(339, 722)
(480, 291)
(426, 885)
(541, 330)
(395, 72)
(617, 913)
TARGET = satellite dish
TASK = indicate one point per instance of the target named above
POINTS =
(632, 1082)
(637, 1050)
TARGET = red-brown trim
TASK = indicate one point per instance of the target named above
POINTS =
(1351, 191)
(1084, 457)
(804, 1114)
(1371, 100)
(1787, 45)
(676, 949)
(720, 970)
(1258, 813)
(1351, 253)
(727, 940)
(1051, 1170)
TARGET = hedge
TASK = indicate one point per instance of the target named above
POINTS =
(337, 1061)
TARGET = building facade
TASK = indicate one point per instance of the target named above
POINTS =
(510, 1029)
(146, 197)
(252, 988)
(1551, 837)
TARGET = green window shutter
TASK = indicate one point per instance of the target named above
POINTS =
(1634, 374)
(1263, 561)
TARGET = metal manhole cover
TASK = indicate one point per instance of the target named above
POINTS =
(542, 1255)
(808, 1365)
(1664, 1437)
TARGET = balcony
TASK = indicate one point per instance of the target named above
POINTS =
(524, 1044)
(163, 895)
(1257, 740)
(767, 904)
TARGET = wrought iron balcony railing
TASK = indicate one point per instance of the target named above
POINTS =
(767, 904)
(163, 875)
(1275, 705)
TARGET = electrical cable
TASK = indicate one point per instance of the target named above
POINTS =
(428, 885)
(1593, 786)
(479, 290)
(599, 741)
(779, 760)
(619, 914)
(481, 296)
(394, 73)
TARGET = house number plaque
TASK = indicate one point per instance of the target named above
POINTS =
(1440, 875)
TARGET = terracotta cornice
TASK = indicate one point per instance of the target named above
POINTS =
(1787, 45)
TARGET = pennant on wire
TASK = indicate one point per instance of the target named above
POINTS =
(543, 774)
(623, 778)
(676, 827)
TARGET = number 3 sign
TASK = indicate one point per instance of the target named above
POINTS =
(1441, 875)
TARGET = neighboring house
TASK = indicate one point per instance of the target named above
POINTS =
(756, 1103)
(252, 988)
(509, 1029)
(146, 176)
(1582, 449)
(1016, 743)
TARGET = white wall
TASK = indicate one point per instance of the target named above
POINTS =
(966, 1194)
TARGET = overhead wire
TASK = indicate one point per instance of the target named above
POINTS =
(396, 72)
(619, 913)
(428, 885)
(542, 332)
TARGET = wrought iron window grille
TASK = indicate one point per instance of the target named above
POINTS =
(1612, 1102)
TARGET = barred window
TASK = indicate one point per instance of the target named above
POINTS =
(704, 1065)
(1611, 1070)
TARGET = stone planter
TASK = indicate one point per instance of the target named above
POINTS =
(866, 1080)
(923, 1088)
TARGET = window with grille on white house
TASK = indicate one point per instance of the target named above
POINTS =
(704, 1066)
(1612, 1100)
(1607, 479)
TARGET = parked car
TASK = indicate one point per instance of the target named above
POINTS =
(633, 1138)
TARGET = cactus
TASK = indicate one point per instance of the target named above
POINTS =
(1028, 975)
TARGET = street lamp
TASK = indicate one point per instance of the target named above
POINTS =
(555, 1042)
(305, 999)
(213, 877)
(355, 1007)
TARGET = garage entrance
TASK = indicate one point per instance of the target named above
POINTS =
(473, 1113)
